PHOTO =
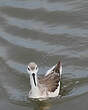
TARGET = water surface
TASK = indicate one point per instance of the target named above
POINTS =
(43, 31)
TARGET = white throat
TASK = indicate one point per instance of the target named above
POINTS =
(33, 84)
(33, 80)
(34, 88)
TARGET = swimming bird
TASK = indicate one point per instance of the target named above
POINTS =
(44, 86)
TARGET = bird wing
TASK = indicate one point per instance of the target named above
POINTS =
(56, 67)
(51, 80)
(50, 70)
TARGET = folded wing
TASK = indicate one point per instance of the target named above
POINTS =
(56, 67)
(51, 80)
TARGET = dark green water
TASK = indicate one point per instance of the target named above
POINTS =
(43, 31)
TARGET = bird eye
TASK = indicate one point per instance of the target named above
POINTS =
(28, 68)
(36, 68)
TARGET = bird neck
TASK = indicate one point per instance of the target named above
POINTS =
(33, 81)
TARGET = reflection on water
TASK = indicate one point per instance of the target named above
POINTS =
(43, 31)
(35, 104)
(43, 106)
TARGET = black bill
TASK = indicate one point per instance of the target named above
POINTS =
(34, 78)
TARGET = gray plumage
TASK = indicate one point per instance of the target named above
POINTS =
(51, 81)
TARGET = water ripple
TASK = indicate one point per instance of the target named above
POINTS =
(50, 29)
(60, 6)
(28, 43)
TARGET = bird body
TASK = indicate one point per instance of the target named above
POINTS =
(44, 86)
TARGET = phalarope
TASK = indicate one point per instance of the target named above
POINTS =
(44, 86)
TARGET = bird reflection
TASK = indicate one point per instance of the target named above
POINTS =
(42, 105)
